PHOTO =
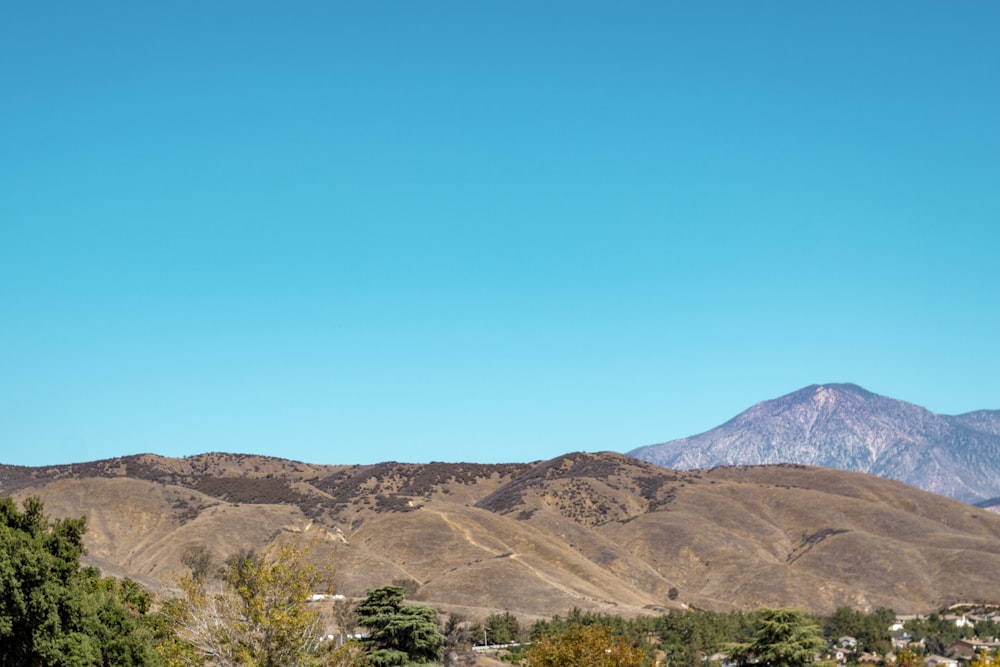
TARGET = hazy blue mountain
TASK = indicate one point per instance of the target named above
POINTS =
(846, 427)
(987, 421)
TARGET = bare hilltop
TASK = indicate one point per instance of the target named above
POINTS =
(596, 531)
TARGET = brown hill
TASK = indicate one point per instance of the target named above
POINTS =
(600, 532)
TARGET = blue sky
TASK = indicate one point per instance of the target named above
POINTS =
(474, 231)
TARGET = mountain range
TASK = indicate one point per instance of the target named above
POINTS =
(596, 531)
(846, 427)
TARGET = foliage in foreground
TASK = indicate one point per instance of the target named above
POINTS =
(52, 611)
(256, 616)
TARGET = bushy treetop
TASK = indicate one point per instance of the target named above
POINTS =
(55, 612)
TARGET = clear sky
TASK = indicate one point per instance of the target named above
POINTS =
(352, 232)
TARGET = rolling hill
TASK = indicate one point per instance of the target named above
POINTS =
(602, 532)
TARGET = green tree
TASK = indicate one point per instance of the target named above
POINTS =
(986, 628)
(255, 617)
(784, 638)
(399, 634)
(688, 636)
(936, 632)
(52, 611)
(870, 629)
(502, 628)
(584, 646)
(843, 622)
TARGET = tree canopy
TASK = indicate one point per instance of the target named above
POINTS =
(585, 646)
(55, 612)
(399, 634)
(501, 629)
(784, 638)
(870, 629)
(255, 617)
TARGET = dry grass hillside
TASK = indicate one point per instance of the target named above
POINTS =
(600, 532)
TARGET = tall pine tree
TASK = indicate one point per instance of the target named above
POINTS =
(399, 634)
(784, 638)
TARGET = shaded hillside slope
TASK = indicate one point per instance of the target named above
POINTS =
(846, 427)
(600, 532)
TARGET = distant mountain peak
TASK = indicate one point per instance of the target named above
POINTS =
(844, 426)
(830, 393)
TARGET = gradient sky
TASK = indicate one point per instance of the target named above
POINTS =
(485, 231)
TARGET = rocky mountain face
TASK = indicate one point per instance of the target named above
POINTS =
(601, 532)
(846, 427)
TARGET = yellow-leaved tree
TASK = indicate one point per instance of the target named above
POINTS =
(256, 616)
(986, 659)
(585, 646)
(907, 658)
